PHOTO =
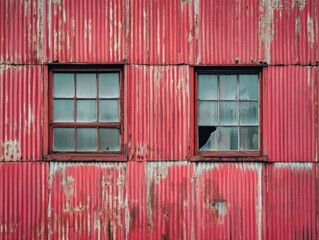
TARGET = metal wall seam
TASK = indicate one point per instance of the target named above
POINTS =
(21, 107)
(290, 113)
(158, 112)
(23, 200)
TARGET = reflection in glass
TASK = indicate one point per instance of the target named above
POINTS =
(63, 85)
(248, 112)
(109, 111)
(63, 111)
(85, 85)
(228, 138)
(109, 85)
(109, 139)
(86, 139)
(249, 138)
(228, 87)
(248, 87)
(207, 113)
(228, 113)
(207, 87)
(85, 111)
(63, 139)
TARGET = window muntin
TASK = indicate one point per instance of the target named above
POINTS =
(85, 111)
(228, 112)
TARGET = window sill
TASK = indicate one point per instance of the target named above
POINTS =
(206, 158)
(86, 157)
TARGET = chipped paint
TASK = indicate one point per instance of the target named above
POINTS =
(310, 29)
(11, 151)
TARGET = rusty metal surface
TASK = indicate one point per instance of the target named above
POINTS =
(158, 112)
(21, 32)
(20, 113)
(291, 201)
(88, 31)
(23, 200)
(228, 200)
(289, 113)
(87, 201)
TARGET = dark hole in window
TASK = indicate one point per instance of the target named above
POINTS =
(204, 133)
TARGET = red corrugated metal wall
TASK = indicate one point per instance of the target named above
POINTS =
(159, 193)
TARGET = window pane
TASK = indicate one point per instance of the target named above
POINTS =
(85, 111)
(228, 113)
(63, 139)
(228, 138)
(86, 85)
(208, 138)
(109, 111)
(63, 111)
(86, 139)
(207, 87)
(248, 86)
(109, 85)
(228, 87)
(109, 139)
(63, 85)
(248, 112)
(207, 113)
(249, 138)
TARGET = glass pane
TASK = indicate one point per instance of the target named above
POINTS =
(109, 139)
(86, 139)
(63, 139)
(207, 87)
(208, 138)
(228, 87)
(63, 111)
(86, 85)
(85, 111)
(228, 138)
(228, 113)
(207, 113)
(248, 112)
(248, 86)
(109, 85)
(109, 111)
(249, 138)
(63, 85)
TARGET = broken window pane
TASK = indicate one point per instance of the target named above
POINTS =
(207, 113)
(229, 138)
(228, 113)
(63, 111)
(86, 139)
(85, 111)
(228, 87)
(248, 112)
(207, 87)
(109, 111)
(109, 139)
(85, 85)
(109, 85)
(63, 85)
(249, 138)
(208, 138)
(248, 87)
(63, 139)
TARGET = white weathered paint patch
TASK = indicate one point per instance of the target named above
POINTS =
(310, 29)
(11, 151)
(294, 166)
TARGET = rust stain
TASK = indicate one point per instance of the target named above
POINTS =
(11, 151)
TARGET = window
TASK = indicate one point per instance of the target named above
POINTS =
(85, 114)
(228, 112)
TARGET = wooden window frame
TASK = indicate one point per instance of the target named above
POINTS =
(225, 155)
(75, 155)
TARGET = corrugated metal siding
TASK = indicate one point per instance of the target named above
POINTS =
(161, 200)
(290, 31)
(88, 31)
(87, 201)
(228, 201)
(227, 32)
(160, 31)
(291, 201)
(23, 200)
(289, 113)
(21, 106)
(158, 112)
(21, 31)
